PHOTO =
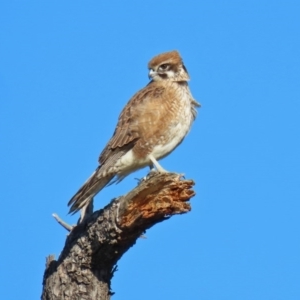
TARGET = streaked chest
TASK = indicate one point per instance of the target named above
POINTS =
(176, 125)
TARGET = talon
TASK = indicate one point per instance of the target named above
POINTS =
(140, 180)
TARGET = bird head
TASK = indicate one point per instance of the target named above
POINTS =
(168, 66)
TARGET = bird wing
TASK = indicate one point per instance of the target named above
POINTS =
(127, 132)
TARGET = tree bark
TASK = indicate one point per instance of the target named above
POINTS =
(87, 263)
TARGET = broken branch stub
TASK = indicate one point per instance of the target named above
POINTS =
(156, 199)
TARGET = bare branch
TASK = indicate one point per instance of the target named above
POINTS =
(62, 223)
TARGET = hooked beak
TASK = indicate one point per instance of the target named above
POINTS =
(151, 74)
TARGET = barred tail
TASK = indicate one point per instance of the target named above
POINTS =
(90, 188)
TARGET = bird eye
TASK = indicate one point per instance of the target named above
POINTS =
(163, 66)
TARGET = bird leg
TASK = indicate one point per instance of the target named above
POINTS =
(159, 168)
(152, 169)
(86, 210)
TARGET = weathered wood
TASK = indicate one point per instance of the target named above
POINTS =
(92, 249)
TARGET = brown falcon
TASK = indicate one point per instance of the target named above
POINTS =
(152, 124)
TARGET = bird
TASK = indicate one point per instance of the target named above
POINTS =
(150, 126)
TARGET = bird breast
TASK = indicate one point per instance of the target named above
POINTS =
(177, 123)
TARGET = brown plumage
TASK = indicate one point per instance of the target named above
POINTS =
(151, 125)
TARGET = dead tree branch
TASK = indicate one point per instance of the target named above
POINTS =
(87, 263)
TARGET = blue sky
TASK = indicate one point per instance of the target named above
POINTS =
(68, 68)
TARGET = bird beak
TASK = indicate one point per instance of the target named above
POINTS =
(151, 74)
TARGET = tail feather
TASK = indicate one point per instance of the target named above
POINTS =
(95, 183)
